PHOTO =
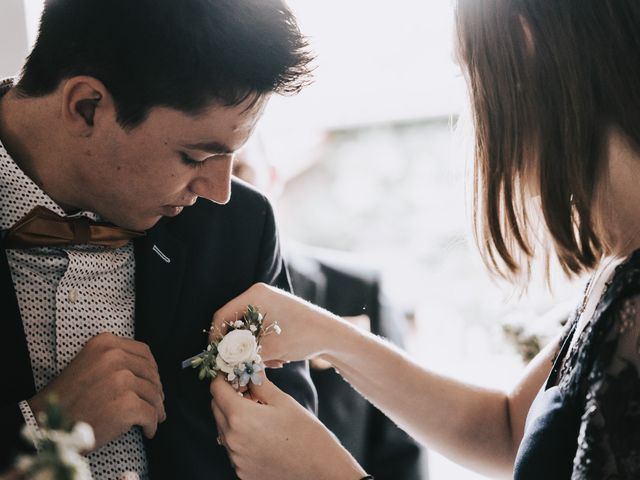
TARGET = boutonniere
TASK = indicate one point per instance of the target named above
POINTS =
(59, 444)
(236, 353)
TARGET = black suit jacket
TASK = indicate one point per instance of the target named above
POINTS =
(213, 253)
(346, 288)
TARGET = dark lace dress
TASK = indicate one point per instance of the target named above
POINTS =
(585, 421)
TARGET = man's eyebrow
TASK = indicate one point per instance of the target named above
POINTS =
(211, 147)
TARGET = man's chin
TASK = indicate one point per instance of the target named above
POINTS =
(139, 224)
(145, 222)
(148, 223)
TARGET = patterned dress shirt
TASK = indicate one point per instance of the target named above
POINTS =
(67, 296)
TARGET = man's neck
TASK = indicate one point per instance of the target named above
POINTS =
(20, 138)
(11, 132)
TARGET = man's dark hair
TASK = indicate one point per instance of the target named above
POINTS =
(182, 54)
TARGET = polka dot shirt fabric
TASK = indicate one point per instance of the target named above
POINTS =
(67, 296)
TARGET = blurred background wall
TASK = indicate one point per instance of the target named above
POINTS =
(13, 36)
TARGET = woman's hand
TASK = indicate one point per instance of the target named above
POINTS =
(271, 437)
(306, 330)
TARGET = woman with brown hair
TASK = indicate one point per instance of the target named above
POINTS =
(555, 92)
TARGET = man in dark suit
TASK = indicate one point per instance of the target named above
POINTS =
(128, 112)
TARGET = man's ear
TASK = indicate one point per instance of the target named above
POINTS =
(85, 101)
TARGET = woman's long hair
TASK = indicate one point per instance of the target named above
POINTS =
(546, 79)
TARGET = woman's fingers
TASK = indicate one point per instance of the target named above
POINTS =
(234, 309)
(272, 440)
(221, 422)
(274, 364)
(224, 395)
(266, 393)
(223, 403)
(293, 328)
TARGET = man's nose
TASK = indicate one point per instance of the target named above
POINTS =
(213, 180)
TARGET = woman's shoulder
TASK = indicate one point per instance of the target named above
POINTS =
(616, 320)
(614, 325)
(624, 284)
(604, 382)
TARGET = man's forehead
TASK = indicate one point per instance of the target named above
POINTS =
(234, 118)
(219, 138)
(217, 130)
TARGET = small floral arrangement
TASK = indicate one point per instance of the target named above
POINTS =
(237, 352)
(58, 443)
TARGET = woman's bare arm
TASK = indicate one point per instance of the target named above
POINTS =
(474, 426)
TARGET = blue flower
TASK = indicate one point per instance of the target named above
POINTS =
(250, 372)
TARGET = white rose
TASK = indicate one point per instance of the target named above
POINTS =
(82, 437)
(77, 462)
(237, 346)
(31, 434)
(223, 366)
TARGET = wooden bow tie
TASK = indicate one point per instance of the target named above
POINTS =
(43, 228)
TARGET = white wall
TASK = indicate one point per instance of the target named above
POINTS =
(32, 10)
(377, 62)
(13, 37)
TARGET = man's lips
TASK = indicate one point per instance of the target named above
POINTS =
(172, 210)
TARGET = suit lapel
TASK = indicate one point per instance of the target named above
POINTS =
(15, 364)
(160, 264)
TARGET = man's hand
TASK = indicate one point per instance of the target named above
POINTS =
(112, 384)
